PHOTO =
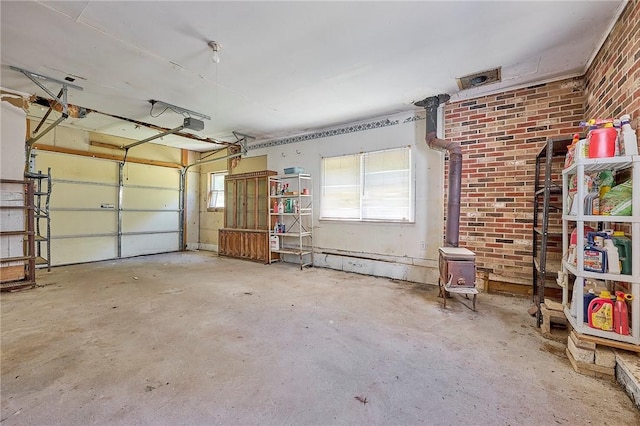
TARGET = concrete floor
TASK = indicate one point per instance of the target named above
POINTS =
(189, 338)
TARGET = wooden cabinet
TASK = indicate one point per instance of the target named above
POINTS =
(246, 220)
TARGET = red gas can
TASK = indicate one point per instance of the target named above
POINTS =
(621, 313)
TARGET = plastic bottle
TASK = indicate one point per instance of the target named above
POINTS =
(619, 147)
(280, 207)
(571, 151)
(582, 149)
(587, 298)
(623, 244)
(601, 312)
(621, 313)
(629, 137)
(616, 145)
(613, 260)
(595, 258)
(274, 242)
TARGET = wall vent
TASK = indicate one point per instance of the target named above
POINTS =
(479, 79)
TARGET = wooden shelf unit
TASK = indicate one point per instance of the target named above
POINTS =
(18, 271)
(246, 218)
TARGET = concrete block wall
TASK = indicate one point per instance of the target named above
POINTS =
(501, 135)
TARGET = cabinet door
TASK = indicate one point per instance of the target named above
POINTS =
(255, 246)
(263, 204)
(262, 247)
(222, 243)
(240, 216)
(234, 243)
(250, 204)
(229, 203)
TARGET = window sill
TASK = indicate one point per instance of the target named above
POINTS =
(216, 210)
(368, 221)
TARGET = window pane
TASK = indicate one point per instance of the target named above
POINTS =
(387, 185)
(230, 196)
(216, 190)
(251, 201)
(368, 186)
(218, 181)
(240, 216)
(341, 187)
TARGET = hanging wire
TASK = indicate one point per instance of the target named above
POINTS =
(182, 113)
(151, 111)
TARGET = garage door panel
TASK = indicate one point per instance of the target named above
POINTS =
(75, 195)
(79, 250)
(134, 245)
(147, 175)
(65, 223)
(74, 167)
(150, 198)
(150, 221)
(82, 230)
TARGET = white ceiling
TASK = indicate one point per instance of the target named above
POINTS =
(287, 67)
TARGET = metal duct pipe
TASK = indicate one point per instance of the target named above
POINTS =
(431, 104)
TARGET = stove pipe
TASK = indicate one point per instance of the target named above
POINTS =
(431, 104)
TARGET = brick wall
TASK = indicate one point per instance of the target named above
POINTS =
(501, 136)
(613, 79)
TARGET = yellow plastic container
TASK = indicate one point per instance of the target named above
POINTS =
(601, 312)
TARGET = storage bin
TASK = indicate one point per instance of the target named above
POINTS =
(602, 142)
(293, 170)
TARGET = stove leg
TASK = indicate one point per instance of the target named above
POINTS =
(442, 293)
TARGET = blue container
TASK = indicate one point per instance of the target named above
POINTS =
(587, 298)
(293, 170)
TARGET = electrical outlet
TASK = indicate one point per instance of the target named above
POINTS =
(423, 246)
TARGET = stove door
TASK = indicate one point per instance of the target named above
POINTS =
(461, 273)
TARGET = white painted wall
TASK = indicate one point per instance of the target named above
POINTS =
(382, 249)
(12, 136)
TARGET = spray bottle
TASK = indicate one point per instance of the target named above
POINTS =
(595, 258)
(628, 136)
(613, 259)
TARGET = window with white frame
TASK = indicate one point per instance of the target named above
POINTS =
(216, 190)
(369, 186)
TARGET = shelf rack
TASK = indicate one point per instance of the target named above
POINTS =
(18, 271)
(546, 238)
(297, 240)
(578, 169)
(42, 215)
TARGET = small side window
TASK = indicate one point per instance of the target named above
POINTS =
(216, 191)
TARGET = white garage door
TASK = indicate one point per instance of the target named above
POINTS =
(151, 215)
(86, 223)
